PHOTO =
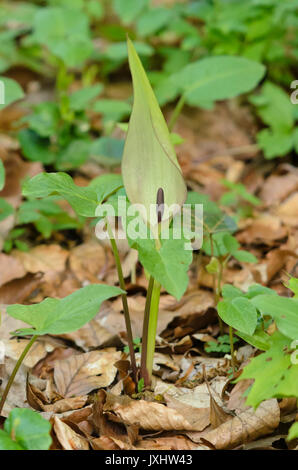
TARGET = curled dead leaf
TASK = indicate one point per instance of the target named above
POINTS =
(67, 437)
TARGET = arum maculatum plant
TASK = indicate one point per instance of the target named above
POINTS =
(152, 178)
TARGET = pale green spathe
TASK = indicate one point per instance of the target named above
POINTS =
(149, 160)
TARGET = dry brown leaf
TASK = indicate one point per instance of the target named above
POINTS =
(217, 413)
(105, 427)
(89, 261)
(68, 438)
(16, 170)
(42, 258)
(17, 395)
(19, 290)
(288, 211)
(237, 400)
(10, 268)
(14, 348)
(247, 426)
(66, 404)
(154, 416)
(166, 443)
(79, 374)
(266, 229)
(277, 187)
(109, 443)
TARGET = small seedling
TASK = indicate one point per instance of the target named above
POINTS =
(221, 345)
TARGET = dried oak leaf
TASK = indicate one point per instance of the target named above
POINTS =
(80, 374)
(247, 426)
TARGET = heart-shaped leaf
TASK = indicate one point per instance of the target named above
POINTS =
(59, 316)
(239, 313)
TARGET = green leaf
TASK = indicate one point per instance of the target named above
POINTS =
(149, 161)
(214, 219)
(118, 51)
(80, 99)
(245, 256)
(275, 108)
(258, 289)
(293, 286)
(293, 432)
(129, 10)
(35, 148)
(74, 155)
(213, 266)
(107, 151)
(276, 376)
(45, 119)
(168, 266)
(275, 144)
(5, 209)
(283, 310)
(218, 78)
(114, 110)
(10, 91)
(239, 313)
(25, 429)
(153, 20)
(65, 32)
(59, 316)
(223, 244)
(241, 191)
(259, 339)
(231, 292)
(84, 200)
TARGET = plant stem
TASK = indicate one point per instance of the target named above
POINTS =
(218, 294)
(144, 371)
(217, 285)
(232, 348)
(14, 372)
(153, 317)
(124, 301)
(176, 112)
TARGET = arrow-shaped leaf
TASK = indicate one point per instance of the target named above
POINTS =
(59, 316)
